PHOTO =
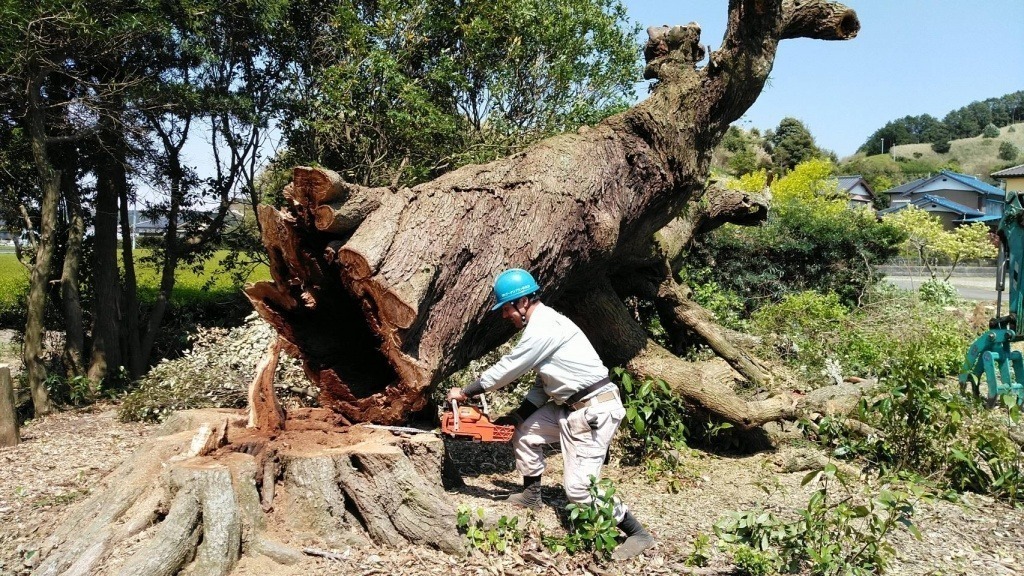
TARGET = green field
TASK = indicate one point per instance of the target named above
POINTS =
(193, 285)
(13, 280)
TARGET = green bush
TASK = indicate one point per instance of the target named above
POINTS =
(926, 428)
(1008, 152)
(592, 527)
(990, 131)
(941, 147)
(939, 292)
(840, 532)
(796, 249)
(809, 331)
(655, 417)
(499, 538)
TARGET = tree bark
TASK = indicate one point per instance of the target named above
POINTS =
(9, 435)
(131, 347)
(74, 340)
(39, 276)
(106, 336)
(393, 293)
(177, 508)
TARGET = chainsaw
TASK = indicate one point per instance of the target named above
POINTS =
(474, 423)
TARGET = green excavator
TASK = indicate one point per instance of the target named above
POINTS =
(991, 354)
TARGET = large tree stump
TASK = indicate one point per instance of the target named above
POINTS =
(383, 292)
(171, 507)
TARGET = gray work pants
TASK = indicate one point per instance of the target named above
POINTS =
(584, 435)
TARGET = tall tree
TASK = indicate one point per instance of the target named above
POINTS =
(792, 143)
(403, 90)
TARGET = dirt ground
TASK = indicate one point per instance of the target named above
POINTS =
(64, 455)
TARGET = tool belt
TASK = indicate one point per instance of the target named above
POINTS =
(575, 402)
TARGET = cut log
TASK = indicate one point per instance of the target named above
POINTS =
(164, 514)
(398, 296)
(9, 435)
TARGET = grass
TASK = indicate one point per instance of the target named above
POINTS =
(13, 280)
(194, 285)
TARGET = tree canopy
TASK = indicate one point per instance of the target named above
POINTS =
(935, 246)
(409, 90)
(99, 102)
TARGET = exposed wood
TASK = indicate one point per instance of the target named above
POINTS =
(208, 438)
(198, 514)
(9, 434)
(265, 410)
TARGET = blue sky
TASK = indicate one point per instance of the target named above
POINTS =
(911, 57)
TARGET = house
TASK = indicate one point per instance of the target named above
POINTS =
(858, 190)
(955, 198)
(1013, 178)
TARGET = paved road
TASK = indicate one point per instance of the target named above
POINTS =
(970, 287)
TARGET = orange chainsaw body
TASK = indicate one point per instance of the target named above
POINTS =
(474, 425)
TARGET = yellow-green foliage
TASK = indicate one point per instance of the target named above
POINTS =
(929, 241)
(810, 186)
(13, 280)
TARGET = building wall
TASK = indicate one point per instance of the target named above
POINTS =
(946, 218)
(1014, 184)
(969, 198)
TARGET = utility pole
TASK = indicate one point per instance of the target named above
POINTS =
(883, 145)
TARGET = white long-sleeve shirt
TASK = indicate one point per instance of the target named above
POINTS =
(557, 349)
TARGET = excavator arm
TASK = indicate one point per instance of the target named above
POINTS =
(991, 354)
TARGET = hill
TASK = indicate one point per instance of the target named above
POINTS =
(977, 155)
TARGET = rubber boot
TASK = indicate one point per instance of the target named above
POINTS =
(530, 496)
(637, 539)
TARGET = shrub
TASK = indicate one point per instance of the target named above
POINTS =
(840, 531)
(655, 417)
(938, 292)
(926, 429)
(1008, 152)
(592, 526)
(499, 538)
(811, 331)
(941, 147)
(811, 240)
(990, 131)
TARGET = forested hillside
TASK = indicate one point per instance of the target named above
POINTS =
(966, 122)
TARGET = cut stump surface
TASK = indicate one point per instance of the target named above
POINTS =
(169, 508)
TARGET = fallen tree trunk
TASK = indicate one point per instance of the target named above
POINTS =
(383, 292)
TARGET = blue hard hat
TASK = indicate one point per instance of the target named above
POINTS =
(513, 284)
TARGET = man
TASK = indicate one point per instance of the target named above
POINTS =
(573, 402)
